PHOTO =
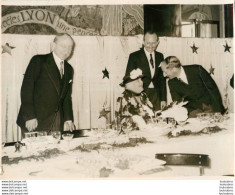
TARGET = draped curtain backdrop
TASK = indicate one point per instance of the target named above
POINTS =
(92, 55)
(112, 18)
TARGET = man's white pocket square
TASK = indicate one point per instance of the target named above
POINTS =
(70, 81)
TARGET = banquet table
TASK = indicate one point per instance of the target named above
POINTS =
(126, 156)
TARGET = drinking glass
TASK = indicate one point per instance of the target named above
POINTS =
(56, 135)
(218, 117)
(226, 116)
(31, 137)
(200, 116)
(67, 137)
(42, 133)
(208, 116)
(161, 121)
(172, 122)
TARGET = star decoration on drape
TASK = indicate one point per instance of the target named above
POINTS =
(194, 48)
(7, 48)
(103, 113)
(226, 47)
(211, 70)
(105, 73)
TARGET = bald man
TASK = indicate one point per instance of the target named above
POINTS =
(193, 84)
(46, 103)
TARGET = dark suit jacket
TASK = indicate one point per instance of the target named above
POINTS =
(139, 60)
(201, 89)
(44, 94)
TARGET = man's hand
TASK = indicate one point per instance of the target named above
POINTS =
(69, 126)
(31, 124)
(163, 104)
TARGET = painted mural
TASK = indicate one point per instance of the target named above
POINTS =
(87, 20)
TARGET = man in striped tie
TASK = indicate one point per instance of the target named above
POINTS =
(148, 59)
(46, 103)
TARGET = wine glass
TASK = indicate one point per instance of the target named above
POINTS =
(172, 122)
(67, 137)
(218, 117)
(56, 135)
(31, 137)
(162, 121)
(200, 116)
(208, 116)
(42, 133)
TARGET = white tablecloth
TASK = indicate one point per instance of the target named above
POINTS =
(128, 162)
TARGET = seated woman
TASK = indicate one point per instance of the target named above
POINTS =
(134, 107)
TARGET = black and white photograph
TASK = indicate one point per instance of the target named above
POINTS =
(117, 91)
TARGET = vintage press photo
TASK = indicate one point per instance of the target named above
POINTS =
(117, 91)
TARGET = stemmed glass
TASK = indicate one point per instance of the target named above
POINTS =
(218, 117)
(56, 135)
(172, 122)
(200, 116)
(208, 116)
(162, 121)
(42, 133)
(67, 137)
(31, 137)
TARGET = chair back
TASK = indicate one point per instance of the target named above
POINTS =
(200, 160)
(184, 159)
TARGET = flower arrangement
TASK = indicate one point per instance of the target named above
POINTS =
(135, 73)
(176, 111)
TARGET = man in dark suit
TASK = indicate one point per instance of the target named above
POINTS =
(148, 60)
(194, 84)
(46, 103)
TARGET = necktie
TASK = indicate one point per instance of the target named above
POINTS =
(151, 60)
(61, 68)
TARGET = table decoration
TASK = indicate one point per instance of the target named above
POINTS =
(205, 123)
(40, 156)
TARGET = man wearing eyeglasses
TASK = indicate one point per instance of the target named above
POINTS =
(148, 60)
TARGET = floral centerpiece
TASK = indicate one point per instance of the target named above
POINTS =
(175, 110)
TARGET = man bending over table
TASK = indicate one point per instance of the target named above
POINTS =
(194, 84)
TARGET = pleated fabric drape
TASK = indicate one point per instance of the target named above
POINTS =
(92, 55)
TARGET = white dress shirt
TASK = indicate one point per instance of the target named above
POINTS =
(152, 69)
(182, 76)
(58, 61)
